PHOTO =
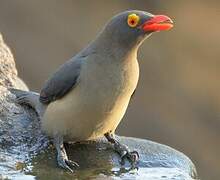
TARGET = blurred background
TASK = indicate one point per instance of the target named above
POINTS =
(177, 101)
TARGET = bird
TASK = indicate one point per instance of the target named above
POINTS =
(87, 97)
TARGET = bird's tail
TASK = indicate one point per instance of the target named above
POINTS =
(29, 98)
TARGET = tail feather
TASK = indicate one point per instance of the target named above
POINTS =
(29, 98)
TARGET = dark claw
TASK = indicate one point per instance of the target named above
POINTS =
(135, 155)
(67, 164)
(72, 164)
(131, 156)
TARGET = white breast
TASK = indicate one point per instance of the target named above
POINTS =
(97, 104)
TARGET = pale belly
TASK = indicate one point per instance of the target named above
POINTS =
(83, 118)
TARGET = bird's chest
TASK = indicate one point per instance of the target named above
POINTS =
(108, 83)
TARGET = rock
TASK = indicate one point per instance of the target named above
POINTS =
(26, 152)
(8, 71)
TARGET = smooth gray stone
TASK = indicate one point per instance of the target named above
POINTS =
(98, 160)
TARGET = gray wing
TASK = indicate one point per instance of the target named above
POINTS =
(62, 81)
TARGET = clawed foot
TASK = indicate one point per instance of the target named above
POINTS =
(62, 158)
(67, 164)
(132, 157)
(123, 150)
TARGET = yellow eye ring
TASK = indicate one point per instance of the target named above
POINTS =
(133, 20)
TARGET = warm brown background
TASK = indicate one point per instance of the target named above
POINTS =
(178, 98)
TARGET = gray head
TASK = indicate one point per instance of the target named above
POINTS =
(129, 29)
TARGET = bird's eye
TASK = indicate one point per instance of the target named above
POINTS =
(133, 20)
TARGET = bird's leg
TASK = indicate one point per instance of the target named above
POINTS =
(62, 158)
(122, 149)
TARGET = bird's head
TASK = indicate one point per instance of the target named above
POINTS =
(130, 28)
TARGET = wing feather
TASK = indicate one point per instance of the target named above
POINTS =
(61, 82)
